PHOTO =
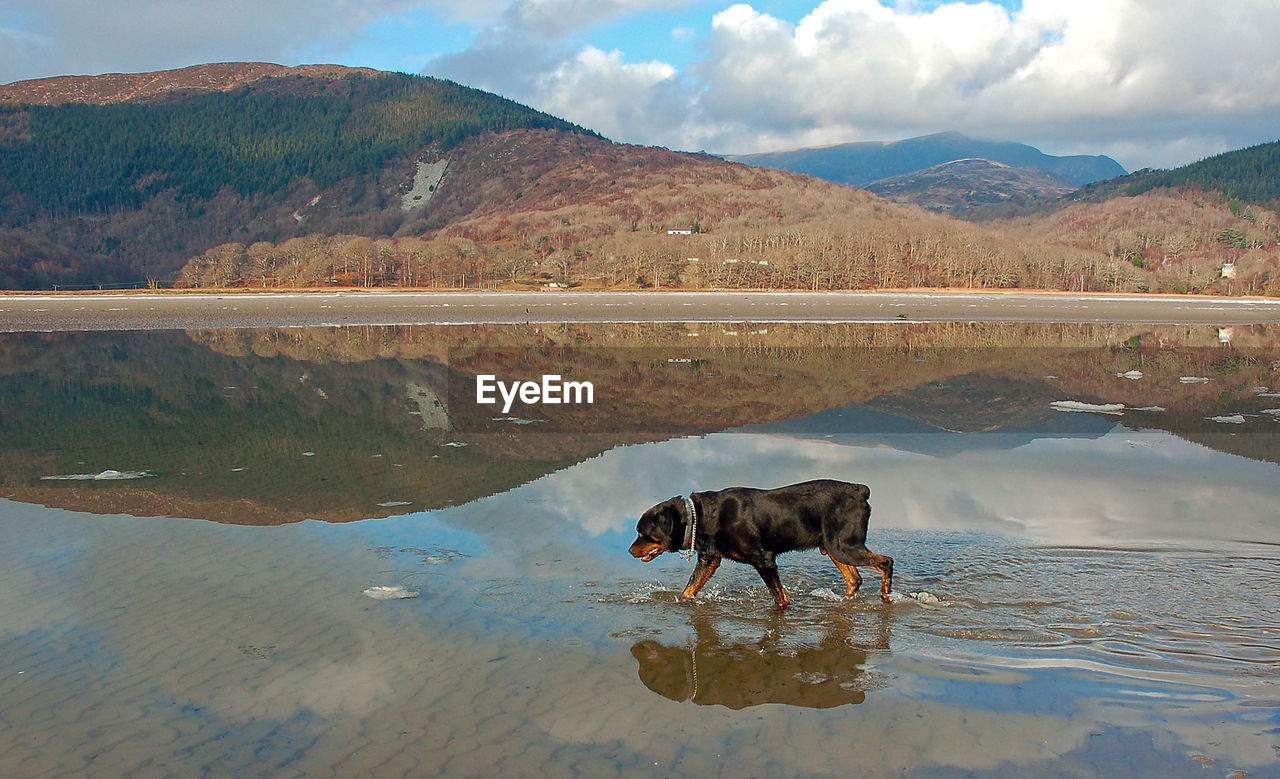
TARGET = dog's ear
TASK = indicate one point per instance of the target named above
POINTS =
(665, 517)
(656, 523)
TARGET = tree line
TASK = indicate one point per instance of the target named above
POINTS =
(1251, 174)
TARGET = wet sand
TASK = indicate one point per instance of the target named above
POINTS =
(186, 311)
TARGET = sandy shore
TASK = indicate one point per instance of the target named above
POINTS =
(169, 311)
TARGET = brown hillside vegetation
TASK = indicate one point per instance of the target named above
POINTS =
(122, 87)
(1181, 240)
(545, 207)
(960, 185)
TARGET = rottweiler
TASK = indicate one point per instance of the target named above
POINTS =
(753, 526)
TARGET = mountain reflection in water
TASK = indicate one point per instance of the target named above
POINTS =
(339, 424)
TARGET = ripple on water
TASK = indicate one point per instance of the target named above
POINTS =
(1147, 614)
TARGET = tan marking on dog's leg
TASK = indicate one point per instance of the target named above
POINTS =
(780, 596)
(701, 573)
(852, 579)
(884, 565)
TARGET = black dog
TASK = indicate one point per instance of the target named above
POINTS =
(753, 526)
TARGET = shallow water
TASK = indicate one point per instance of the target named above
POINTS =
(1075, 593)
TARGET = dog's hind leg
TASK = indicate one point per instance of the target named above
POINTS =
(883, 564)
(702, 571)
(860, 555)
(852, 579)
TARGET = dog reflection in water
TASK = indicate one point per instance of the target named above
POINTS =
(740, 674)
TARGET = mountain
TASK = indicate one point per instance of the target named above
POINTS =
(961, 185)
(138, 172)
(859, 164)
(251, 174)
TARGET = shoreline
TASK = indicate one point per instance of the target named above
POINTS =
(236, 309)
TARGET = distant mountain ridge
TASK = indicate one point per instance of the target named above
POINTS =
(961, 185)
(860, 164)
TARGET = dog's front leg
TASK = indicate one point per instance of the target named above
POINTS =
(706, 565)
(769, 572)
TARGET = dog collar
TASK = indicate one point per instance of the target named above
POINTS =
(690, 528)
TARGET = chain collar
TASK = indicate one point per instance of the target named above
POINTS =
(690, 529)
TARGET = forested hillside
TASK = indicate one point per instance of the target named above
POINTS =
(1251, 174)
(257, 141)
(113, 181)
(1180, 240)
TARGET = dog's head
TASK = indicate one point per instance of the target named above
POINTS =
(656, 532)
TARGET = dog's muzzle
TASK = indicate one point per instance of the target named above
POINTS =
(645, 552)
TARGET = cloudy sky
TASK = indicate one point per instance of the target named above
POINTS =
(1149, 82)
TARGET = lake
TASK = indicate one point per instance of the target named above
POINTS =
(310, 551)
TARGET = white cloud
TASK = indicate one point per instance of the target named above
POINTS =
(556, 18)
(1151, 82)
(1042, 71)
(531, 52)
(593, 82)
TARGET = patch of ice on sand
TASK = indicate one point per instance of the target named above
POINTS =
(107, 475)
(1075, 405)
(1228, 419)
(1130, 375)
(390, 593)
(386, 504)
(1193, 379)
